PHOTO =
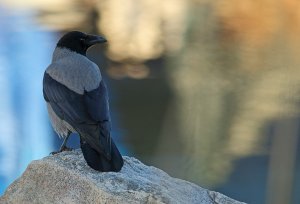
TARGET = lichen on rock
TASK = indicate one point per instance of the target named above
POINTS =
(66, 178)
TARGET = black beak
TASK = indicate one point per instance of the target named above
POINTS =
(94, 39)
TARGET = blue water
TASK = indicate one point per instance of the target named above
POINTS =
(25, 131)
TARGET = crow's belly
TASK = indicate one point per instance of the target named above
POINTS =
(61, 127)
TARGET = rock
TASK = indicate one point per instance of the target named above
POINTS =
(66, 178)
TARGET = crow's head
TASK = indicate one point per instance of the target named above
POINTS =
(79, 42)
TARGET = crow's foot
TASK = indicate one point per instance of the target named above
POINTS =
(65, 148)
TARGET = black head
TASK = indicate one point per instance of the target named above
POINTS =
(79, 42)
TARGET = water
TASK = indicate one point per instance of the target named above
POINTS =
(25, 132)
(214, 101)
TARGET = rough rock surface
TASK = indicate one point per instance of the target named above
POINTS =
(65, 178)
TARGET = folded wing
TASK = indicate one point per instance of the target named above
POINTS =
(87, 113)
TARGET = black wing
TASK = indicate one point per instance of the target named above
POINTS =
(88, 113)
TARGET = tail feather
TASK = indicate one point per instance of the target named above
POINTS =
(98, 162)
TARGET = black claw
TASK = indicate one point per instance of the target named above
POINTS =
(53, 153)
(62, 150)
(66, 149)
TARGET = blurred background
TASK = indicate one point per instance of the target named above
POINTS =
(208, 91)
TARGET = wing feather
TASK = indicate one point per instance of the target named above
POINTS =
(88, 113)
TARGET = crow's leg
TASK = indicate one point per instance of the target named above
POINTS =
(63, 146)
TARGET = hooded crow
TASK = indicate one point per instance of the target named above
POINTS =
(77, 101)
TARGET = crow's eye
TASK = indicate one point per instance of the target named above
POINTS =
(82, 41)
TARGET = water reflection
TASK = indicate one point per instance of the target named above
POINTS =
(217, 97)
(23, 129)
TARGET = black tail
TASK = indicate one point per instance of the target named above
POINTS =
(98, 162)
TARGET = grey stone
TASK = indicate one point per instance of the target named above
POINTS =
(66, 178)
